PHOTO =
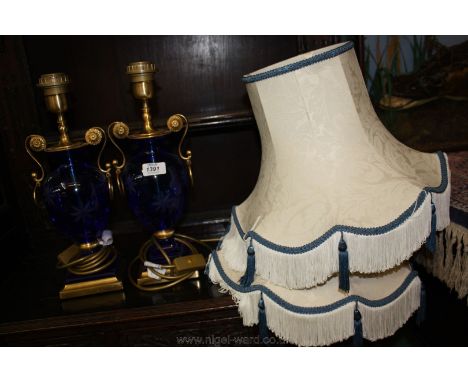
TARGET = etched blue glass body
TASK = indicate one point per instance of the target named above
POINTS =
(76, 196)
(158, 201)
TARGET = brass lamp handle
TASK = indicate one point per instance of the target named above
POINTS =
(176, 123)
(118, 130)
(94, 136)
(36, 143)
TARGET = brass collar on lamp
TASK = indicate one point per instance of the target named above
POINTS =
(55, 88)
(141, 75)
(164, 234)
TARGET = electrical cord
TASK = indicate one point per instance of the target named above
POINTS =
(90, 264)
(173, 279)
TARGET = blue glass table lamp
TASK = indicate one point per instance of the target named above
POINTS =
(156, 177)
(75, 193)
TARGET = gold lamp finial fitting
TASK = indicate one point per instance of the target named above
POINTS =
(141, 75)
(55, 88)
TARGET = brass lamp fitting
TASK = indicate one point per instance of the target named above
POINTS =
(141, 75)
(55, 88)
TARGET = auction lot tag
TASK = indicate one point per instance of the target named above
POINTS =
(150, 169)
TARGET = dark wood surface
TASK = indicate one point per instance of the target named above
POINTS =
(170, 324)
(32, 313)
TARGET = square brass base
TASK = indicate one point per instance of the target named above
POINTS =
(145, 280)
(86, 288)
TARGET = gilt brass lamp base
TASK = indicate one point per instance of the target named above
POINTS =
(100, 277)
(91, 287)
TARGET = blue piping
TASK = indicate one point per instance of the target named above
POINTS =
(312, 310)
(299, 64)
(355, 230)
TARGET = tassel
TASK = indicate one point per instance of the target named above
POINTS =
(262, 323)
(343, 265)
(357, 339)
(249, 274)
(421, 315)
(431, 241)
(207, 267)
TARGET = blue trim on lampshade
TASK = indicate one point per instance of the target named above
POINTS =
(357, 337)
(444, 175)
(431, 240)
(350, 229)
(207, 267)
(311, 310)
(262, 321)
(343, 265)
(299, 64)
(249, 275)
(421, 315)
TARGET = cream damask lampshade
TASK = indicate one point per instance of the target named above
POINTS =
(318, 252)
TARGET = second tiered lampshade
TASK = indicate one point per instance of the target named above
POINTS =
(318, 251)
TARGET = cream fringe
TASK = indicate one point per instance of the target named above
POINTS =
(325, 328)
(449, 263)
(310, 329)
(247, 302)
(384, 321)
(442, 202)
(367, 254)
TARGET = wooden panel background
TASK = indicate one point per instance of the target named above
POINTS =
(198, 75)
